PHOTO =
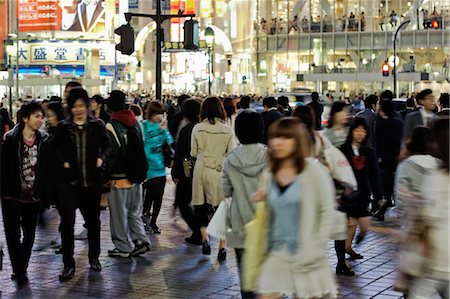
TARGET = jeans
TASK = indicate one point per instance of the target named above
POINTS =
(125, 209)
(87, 199)
(153, 196)
(19, 216)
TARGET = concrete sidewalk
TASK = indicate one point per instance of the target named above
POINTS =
(174, 269)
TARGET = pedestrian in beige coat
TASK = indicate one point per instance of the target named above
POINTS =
(211, 141)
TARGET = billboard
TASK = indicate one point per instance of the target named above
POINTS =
(64, 15)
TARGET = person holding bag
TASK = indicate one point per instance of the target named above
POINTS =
(364, 163)
(183, 167)
(299, 218)
(339, 168)
(211, 141)
(240, 176)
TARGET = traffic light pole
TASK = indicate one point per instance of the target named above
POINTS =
(159, 19)
(395, 55)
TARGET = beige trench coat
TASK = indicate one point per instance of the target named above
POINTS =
(209, 144)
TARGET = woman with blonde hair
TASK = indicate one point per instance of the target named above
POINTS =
(300, 211)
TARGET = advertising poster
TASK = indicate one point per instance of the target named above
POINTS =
(61, 15)
(3, 26)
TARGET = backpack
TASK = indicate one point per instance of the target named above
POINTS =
(135, 161)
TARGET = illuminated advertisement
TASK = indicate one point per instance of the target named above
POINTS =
(64, 15)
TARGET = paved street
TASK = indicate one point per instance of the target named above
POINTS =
(174, 269)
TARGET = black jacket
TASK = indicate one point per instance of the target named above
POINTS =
(269, 117)
(317, 109)
(366, 170)
(389, 133)
(11, 164)
(97, 146)
(183, 150)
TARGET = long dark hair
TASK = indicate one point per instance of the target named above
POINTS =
(335, 108)
(212, 108)
(229, 107)
(358, 122)
(290, 127)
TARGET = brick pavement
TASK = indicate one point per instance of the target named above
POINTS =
(174, 269)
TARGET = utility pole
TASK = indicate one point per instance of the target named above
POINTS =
(159, 19)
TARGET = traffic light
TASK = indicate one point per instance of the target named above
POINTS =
(126, 45)
(385, 68)
(432, 23)
(435, 24)
(191, 35)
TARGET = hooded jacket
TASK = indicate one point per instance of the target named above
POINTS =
(240, 179)
(408, 180)
(120, 122)
(11, 161)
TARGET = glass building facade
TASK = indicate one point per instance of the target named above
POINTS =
(340, 45)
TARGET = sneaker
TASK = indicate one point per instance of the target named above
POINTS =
(141, 249)
(117, 253)
(83, 235)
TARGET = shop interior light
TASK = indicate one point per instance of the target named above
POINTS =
(435, 24)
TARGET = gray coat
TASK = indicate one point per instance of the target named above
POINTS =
(240, 179)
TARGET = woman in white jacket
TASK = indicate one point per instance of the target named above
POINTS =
(300, 218)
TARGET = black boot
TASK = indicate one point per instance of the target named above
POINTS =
(67, 274)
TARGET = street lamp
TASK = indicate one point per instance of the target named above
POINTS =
(395, 54)
(209, 37)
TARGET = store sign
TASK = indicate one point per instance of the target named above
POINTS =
(62, 53)
(179, 46)
(165, 4)
(133, 4)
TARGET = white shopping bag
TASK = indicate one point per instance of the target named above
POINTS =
(340, 168)
(217, 226)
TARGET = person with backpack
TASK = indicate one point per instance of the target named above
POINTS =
(128, 169)
(156, 137)
(82, 147)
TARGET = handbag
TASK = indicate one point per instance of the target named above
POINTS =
(168, 153)
(188, 166)
(255, 242)
(255, 247)
(339, 228)
(351, 201)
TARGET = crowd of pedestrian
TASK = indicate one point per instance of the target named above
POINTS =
(225, 156)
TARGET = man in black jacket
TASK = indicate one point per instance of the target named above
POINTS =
(81, 146)
(317, 108)
(20, 186)
(270, 115)
(125, 198)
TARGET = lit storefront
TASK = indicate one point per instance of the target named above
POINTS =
(53, 42)
(340, 45)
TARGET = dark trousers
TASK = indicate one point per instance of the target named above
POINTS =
(239, 253)
(154, 191)
(203, 214)
(88, 201)
(183, 198)
(19, 219)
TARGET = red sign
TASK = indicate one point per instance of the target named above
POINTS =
(3, 26)
(38, 15)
